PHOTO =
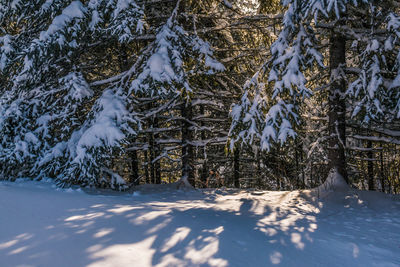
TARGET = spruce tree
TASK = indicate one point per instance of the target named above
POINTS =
(361, 76)
(54, 122)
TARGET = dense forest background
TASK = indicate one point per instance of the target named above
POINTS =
(115, 93)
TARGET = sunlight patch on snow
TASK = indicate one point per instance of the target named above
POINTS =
(94, 248)
(18, 250)
(135, 254)
(180, 234)
(149, 216)
(216, 231)
(98, 206)
(122, 209)
(8, 244)
(356, 250)
(103, 232)
(89, 216)
(231, 205)
(312, 227)
(16, 240)
(159, 226)
(198, 228)
(205, 253)
(296, 240)
(275, 257)
(269, 231)
(25, 236)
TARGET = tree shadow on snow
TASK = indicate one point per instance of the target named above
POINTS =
(168, 231)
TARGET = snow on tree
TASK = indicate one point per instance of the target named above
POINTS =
(363, 78)
(53, 122)
(57, 120)
(168, 71)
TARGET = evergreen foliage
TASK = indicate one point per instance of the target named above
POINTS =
(120, 92)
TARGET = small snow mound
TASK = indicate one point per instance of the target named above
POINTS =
(334, 182)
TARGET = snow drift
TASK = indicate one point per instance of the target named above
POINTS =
(41, 225)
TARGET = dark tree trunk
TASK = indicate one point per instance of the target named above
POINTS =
(303, 175)
(382, 177)
(146, 167)
(236, 167)
(205, 170)
(187, 148)
(296, 155)
(259, 172)
(124, 66)
(204, 174)
(156, 146)
(134, 167)
(370, 156)
(154, 150)
(152, 156)
(337, 105)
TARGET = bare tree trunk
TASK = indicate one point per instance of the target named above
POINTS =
(296, 155)
(146, 167)
(134, 177)
(370, 156)
(303, 175)
(236, 167)
(157, 164)
(337, 105)
(259, 172)
(124, 66)
(187, 149)
(204, 170)
(381, 171)
(151, 153)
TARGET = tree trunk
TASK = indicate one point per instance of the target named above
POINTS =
(205, 170)
(152, 155)
(296, 155)
(337, 105)
(157, 164)
(382, 177)
(236, 167)
(370, 156)
(124, 66)
(303, 175)
(134, 177)
(146, 167)
(187, 149)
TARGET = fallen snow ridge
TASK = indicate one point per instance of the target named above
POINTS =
(44, 226)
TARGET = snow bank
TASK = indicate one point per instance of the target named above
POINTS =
(161, 226)
(334, 182)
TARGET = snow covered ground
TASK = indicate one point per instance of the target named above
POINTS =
(44, 226)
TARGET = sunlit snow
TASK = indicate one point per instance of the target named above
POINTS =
(163, 226)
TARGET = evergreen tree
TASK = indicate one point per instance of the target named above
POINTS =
(169, 69)
(367, 83)
(54, 123)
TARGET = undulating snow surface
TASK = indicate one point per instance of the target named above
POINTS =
(160, 226)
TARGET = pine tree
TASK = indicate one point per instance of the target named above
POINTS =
(168, 71)
(55, 123)
(59, 119)
(367, 83)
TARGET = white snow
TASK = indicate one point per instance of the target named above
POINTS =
(5, 50)
(72, 11)
(107, 125)
(41, 225)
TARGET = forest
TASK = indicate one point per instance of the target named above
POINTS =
(237, 93)
(199, 133)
